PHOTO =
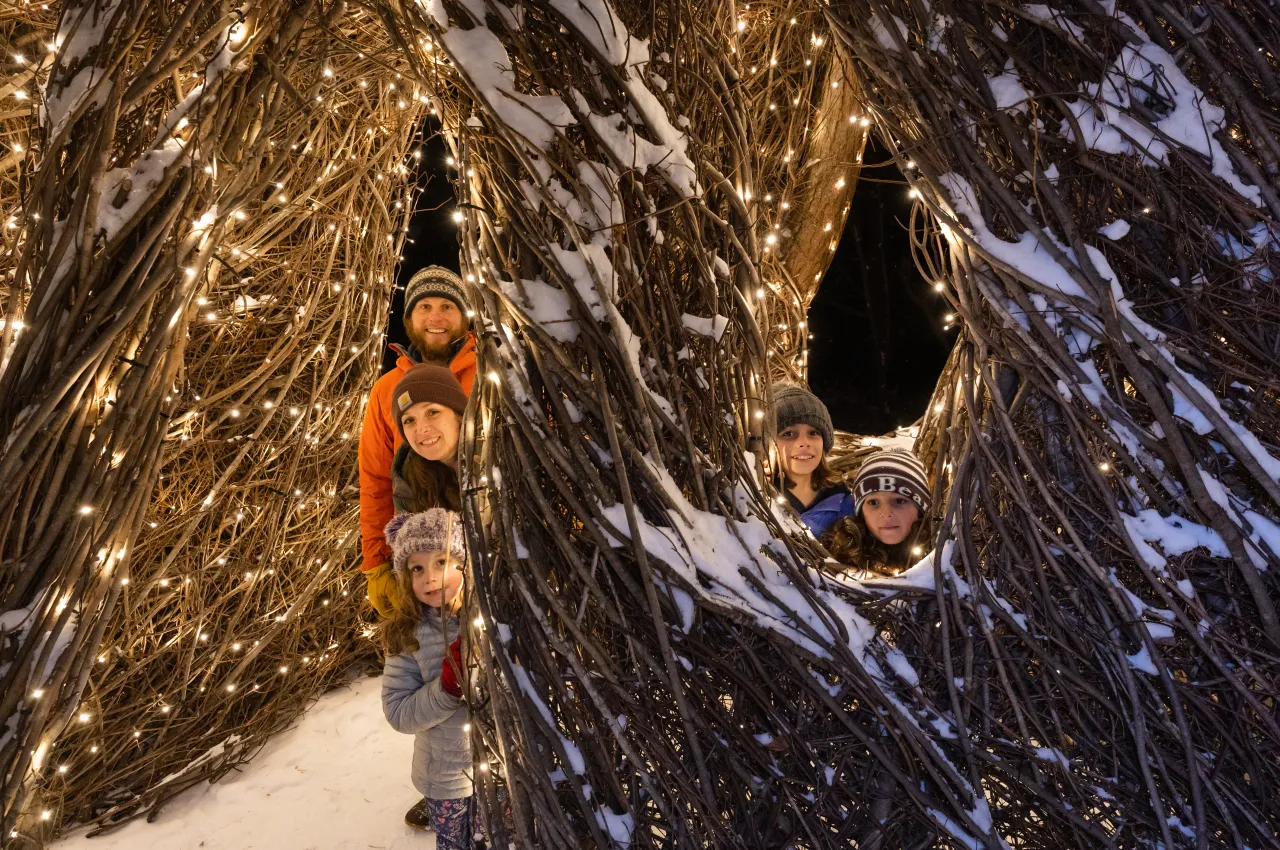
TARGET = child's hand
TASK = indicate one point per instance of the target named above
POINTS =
(451, 667)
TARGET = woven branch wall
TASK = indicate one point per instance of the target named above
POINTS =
(1087, 658)
(200, 246)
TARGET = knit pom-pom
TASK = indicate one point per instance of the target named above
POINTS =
(393, 527)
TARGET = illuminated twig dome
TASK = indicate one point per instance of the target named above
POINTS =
(649, 196)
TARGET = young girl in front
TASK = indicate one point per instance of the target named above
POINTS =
(421, 682)
(890, 498)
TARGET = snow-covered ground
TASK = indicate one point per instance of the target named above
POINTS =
(338, 781)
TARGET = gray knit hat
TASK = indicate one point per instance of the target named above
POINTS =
(435, 281)
(794, 405)
(892, 471)
(433, 530)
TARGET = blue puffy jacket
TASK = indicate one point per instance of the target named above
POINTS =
(831, 504)
(414, 703)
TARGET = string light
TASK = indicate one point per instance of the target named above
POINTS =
(239, 32)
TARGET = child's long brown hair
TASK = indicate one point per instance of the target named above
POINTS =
(850, 541)
(396, 633)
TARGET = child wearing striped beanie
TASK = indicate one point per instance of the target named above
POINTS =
(891, 495)
(892, 471)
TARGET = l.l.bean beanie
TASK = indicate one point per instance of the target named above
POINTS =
(435, 281)
(433, 530)
(794, 405)
(427, 382)
(892, 471)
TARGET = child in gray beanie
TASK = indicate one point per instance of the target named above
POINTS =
(422, 681)
(804, 436)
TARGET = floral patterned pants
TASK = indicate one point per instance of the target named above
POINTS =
(451, 822)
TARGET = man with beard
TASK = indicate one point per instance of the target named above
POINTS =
(436, 321)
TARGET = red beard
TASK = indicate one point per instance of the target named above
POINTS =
(434, 353)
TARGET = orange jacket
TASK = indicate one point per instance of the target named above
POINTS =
(379, 439)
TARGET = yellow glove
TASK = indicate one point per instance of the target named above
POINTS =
(381, 585)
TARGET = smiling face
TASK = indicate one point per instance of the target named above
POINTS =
(799, 451)
(431, 430)
(889, 516)
(436, 577)
(433, 326)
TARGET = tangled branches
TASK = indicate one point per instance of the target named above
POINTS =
(1048, 677)
(664, 670)
(1087, 658)
(1098, 193)
(203, 267)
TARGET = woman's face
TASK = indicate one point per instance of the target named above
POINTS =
(890, 517)
(799, 451)
(432, 430)
(436, 577)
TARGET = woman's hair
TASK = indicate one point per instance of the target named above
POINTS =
(396, 633)
(850, 541)
(434, 484)
(822, 476)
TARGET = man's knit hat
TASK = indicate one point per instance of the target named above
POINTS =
(427, 382)
(434, 530)
(435, 281)
(794, 405)
(892, 471)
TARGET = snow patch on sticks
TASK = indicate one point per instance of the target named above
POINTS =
(1145, 78)
(479, 54)
(1027, 256)
(1176, 536)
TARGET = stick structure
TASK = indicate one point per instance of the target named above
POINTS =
(1084, 660)
(648, 197)
(211, 200)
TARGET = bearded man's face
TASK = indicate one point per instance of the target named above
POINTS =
(433, 326)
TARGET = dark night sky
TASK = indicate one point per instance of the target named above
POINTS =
(878, 344)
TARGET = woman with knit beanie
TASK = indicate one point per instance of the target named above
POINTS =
(891, 496)
(804, 436)
(427, 406)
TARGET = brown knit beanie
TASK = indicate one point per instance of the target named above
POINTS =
(430, 383)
